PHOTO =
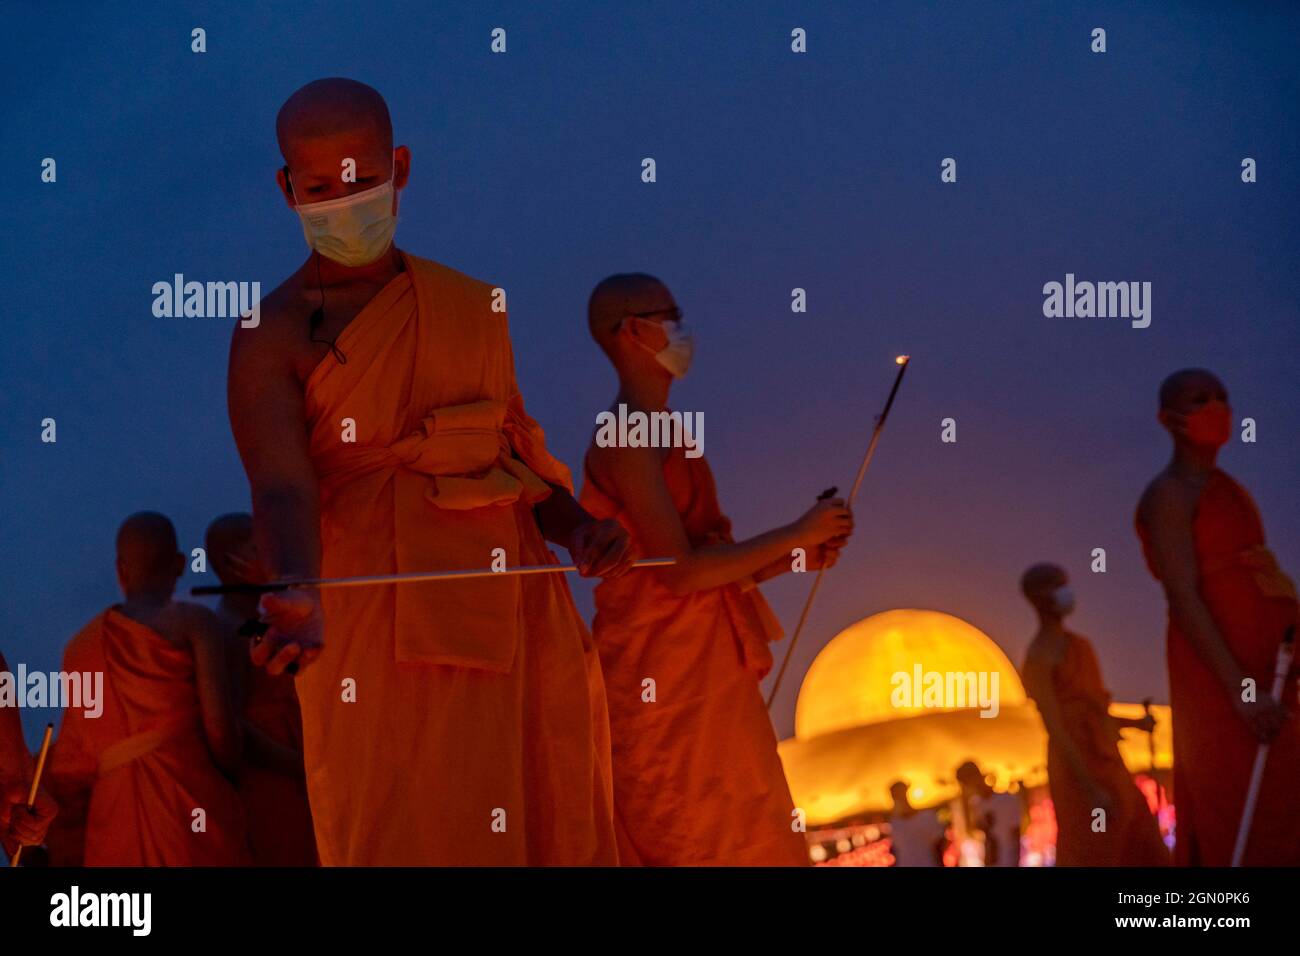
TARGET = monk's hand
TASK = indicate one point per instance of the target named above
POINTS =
(825, 521)
(1264, 716)
(20, 825)
(824, 555)
(601, 549)
(295, 632)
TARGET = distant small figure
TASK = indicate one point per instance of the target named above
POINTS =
(149, 777)
(992, 815)
(915, 836)
(1085, 771)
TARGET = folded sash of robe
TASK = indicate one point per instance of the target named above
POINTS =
(457, 473)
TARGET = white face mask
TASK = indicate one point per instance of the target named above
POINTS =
(1063, 600)
(677, 354)
(352, 230)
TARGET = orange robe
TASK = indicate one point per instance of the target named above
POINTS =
(697, 778)
(1252, 603)
(444, 723)
(280, 830)
(144, 760)
(1131, 837)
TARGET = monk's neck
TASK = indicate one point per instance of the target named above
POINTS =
(333, 275)
(647, 394)
(1050, 629)
(1193, 460)
(151, 600)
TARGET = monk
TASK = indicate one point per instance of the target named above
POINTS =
(272, 784)
(992, 814)
(1230, 606)
(149, 775)
(697, 779)
(378, 418)
(1084, 768)
(19, 826)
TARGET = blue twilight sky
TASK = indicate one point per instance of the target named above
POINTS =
(775, 171)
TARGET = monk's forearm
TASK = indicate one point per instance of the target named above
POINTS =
(716, 565)
(773, 569)
(559, 515)
(287, 524)
(1195, 621)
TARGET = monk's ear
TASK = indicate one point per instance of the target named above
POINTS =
(401, 167)
(282, 178)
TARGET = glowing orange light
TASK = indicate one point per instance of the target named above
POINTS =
(902, 360)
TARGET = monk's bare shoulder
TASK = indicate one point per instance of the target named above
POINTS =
(278, 310)
(1041, 661)
(1167, 496)
(193, 623)
(280, 337)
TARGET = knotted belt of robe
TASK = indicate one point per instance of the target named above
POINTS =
(751, 617)
(147, 741)
(456, 484)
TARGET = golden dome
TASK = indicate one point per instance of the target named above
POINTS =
(857, 679)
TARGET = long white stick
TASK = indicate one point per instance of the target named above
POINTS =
(902, 361)
(1285, 653)
(302, 584)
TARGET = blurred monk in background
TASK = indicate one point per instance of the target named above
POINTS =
(148, 777)
(697, 779)
(1229, 607)
(18, 825)
(1085, 771)
(271, 780)
(378, 417)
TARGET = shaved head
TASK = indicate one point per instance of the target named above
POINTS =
(1178, 388)
(147, 554)
(227, 533)
(1042, 578)
(332, 109)
(614, 297)
(227, 536)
